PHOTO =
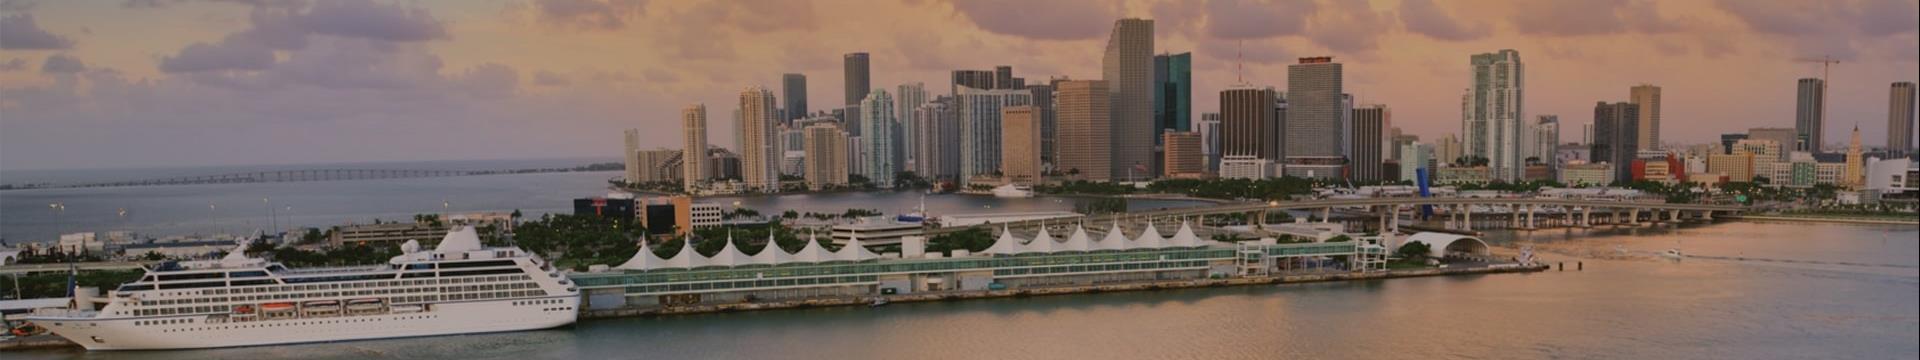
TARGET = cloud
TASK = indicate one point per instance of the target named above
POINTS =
(1043, 20)
(549, 78)
(20, 32)
(1422, 17)
(1350, 26)
(1842, 29)
(62, 64)
(753, 16)
(1256, 19)
(589, 14)
(661, 76)
(288, 28)
(17, 5)
(368, 20)
(15, 64)
(1591, 17)
(226, 55)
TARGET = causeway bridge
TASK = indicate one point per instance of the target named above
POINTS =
(287, 176)
(1520, 212)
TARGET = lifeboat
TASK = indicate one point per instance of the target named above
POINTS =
(359, 305)
(403, 309)
(243, 309)
(276, 307)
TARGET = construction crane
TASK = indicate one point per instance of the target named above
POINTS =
(1826, 68)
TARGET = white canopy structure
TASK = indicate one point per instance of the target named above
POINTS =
(812, 253)
(1185, 237)
(644, 259)
(1006, 244)
(1115, 240)
(772, 254)
(1079, 241)
(854, 251)
(1150, 238)
(1042, 243)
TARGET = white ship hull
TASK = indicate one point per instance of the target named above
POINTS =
(192, 332)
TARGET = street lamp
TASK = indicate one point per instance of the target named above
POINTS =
(273, 221)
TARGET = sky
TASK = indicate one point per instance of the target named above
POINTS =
(155, 83)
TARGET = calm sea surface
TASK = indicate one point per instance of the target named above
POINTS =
(1615, 309)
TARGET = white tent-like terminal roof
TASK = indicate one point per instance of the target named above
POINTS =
(1006, 245)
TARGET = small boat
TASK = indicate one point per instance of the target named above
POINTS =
(277, 307)
(405, 309)
(1013, 191)
(1673, 254)
(878, 302)
(242, 309)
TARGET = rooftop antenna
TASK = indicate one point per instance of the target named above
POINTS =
(1239, 61)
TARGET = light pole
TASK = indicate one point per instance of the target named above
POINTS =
(273, 221)
(59, 226)
(212, 219)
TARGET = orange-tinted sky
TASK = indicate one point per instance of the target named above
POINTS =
(99, 83)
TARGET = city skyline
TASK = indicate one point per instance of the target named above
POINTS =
(443, 80)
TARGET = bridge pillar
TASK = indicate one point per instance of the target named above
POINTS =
(1394, 217)
(1675, 215)
(1586, 217)
(1634, 217)
(1707, 215)
(1326, 214)
(1530, 209)
(1466, 212)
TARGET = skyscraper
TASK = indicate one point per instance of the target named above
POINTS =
(858, 83)
(1183, 156)
(826, 155)
(978, 79)
(980, 117)
(1900, 118)
(1413, 157)
(1003, 77)
(1810, 115)
(879, 165)
(1043, 103)
(1616, 134)
(632, 158)
(1784, 137)
(1128, 70)
(793, 88)
(906, 101)
(1449, 149)
(1546, 138)
(938, 153)
(759, 148)
(1491, 113)
(1250, 124)
(693, 155)
(1083, 120)
(1020, 144)
(1173, 92)
(1369, 125)
(1315, 109)
(1647, 97)
(1855, 172)
(1209, 129)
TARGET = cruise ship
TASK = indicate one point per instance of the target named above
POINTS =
(459, 287)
